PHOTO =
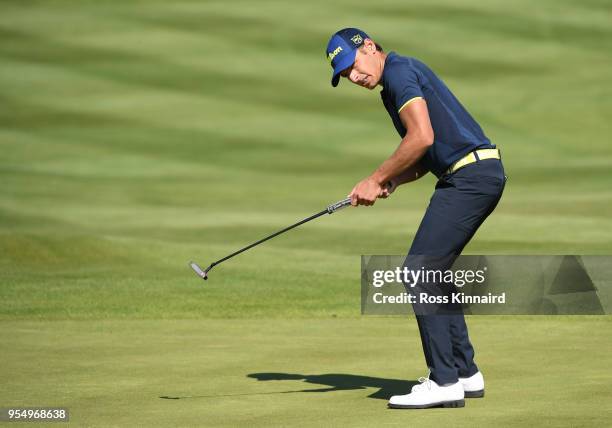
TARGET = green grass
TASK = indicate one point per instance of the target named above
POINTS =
(136, 136)
(295, 373)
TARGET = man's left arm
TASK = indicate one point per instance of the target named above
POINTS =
(418, 138)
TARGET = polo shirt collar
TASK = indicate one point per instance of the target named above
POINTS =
(389, 57)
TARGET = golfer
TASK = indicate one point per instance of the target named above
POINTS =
(438, 135)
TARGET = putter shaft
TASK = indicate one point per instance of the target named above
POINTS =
(329, 210)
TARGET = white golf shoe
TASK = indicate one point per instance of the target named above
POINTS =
(429, 394)
(473, 386)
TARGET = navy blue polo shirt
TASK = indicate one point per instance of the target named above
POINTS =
(456, 133)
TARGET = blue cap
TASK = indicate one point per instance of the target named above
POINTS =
(342, 48)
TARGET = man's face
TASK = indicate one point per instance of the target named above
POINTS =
(366, 71)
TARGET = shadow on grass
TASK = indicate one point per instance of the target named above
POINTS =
(345, 382)
(333, 382)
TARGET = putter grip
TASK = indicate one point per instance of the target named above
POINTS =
(338, 205)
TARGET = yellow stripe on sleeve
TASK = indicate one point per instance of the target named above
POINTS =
(408, 102)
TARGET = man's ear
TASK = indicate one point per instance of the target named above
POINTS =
(369, 45)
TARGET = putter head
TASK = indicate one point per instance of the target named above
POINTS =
(202, 274)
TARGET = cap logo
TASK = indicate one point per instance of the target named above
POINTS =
(357, 39)
(333, 54)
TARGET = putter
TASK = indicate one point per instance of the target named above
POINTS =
(329, 210)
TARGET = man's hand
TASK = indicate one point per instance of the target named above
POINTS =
(366, 192)
(388, 189)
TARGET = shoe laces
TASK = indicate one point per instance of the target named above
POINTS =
(424, 382)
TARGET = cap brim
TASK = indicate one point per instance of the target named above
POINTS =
(343, 64)
(335, 80)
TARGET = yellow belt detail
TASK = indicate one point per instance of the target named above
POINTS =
(471, 158)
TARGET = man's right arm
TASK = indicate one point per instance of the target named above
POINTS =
(411, 173)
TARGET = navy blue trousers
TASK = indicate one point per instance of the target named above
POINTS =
(460, 204)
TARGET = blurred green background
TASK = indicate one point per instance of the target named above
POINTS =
(139, 135)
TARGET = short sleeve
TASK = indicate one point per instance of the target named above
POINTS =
(403, 85)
